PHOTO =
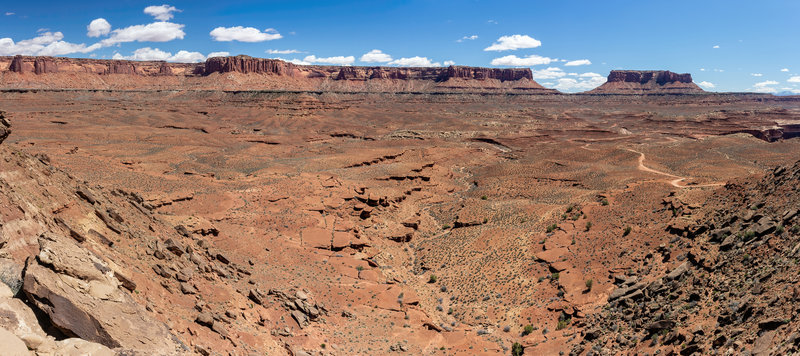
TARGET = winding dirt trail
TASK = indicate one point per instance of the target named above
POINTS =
(675, 182)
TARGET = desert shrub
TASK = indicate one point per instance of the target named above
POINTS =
(527, 330)
(589, 284)
(627, 231)
(555, 276)
(551, 228)
(604, 202)
(517, 349)
(588, 225)
(779, 230)
(432, 279)
(563, 323)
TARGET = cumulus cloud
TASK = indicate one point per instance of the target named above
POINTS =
(449, 63)
(715, 47)
(375, 56)
(467, 38)
(514, 42)
(707, 85)
(161, 12)
(244, 34)
(9, 13)
(45, 44)
(795, 79)
(583, 82)
(294, 60)
(282, 51)
(549, 73)
(98, 27)
(415, 61)
(218, 54)
(514, 61)
(152, 32)
(765, 86)
(785, 70)
(336, 60)
(756, 74)
(579, 62)
(155, 54)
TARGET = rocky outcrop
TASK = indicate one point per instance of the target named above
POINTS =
(247, 64)
(647, 82)
(477, 73)
(5, 127)
(82, 297)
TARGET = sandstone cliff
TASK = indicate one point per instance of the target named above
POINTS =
(647, 82)
(249, 73)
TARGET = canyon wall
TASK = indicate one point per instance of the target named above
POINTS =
(249, 73)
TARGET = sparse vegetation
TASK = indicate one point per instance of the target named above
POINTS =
(432, 279)
(483, 197)
(627, 231)
(589, 284)
(445, 227)
(555, 276)
(552, 227)
(604, 202)
(517, 349)
(527, 330)
(779, 230)
(588, 225)
(563, 323)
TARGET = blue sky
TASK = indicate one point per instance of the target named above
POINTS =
(726, 45)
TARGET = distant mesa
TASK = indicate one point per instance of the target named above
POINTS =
(250, 73)
(647, 82)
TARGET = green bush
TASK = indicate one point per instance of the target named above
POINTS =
(604, 202)
(589, 284)
(555, 276)
(562, 324)
(432, 279)
(551, 228)
(517, 349)
(527, 330)
(588, 225)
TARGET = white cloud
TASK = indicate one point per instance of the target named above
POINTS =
(702, 69)
(152, 32)
(705, 84)
(295, 61)
(415, 61)
(45, 44)
(336, 60)
(765, 86)
(513, 42)
(514, 61)
(715, 47)
(549, 73)
(785, 70)
(756, 74)
(161, 12)
(449, 63)
(218, 54)
(282, 51)
(155, 54)
(98, 27)
(244, 34)
(375, 56)
(585, 81)
(579, 62)
(9, 13)
(795, 79)
(467, 38)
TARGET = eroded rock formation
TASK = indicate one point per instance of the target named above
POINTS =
(647, 81)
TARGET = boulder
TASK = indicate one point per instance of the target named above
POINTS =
(5, 127)
(80, 294)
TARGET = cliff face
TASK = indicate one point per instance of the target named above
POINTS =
(249, 73)
(653, 82)
(246, 64)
